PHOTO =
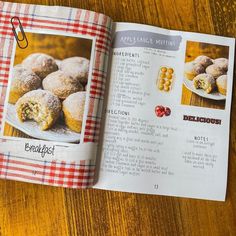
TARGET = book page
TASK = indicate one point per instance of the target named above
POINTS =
(168, 113)
(53, 67)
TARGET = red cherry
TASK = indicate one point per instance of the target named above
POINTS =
(161, 111)
(161, 108)
(158, 110)
(167, 111)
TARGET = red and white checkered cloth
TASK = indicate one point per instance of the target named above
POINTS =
(69, 20)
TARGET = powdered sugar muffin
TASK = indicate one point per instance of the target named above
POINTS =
(23, 81)
(222, 63)
(77, 67)
(204, 60)
(193, 69)
(221, 83)
(215, 70)
(205, 82)
(41, 106)
(41, 64)
(62, 84)
(73, 109)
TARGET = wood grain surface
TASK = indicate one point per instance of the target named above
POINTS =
(27, 209)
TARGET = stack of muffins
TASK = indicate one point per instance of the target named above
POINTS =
(208, 74)
(43, 88)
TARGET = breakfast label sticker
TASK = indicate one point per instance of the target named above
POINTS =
(48, 89)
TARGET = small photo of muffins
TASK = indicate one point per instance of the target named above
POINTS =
(204, 72)
(205, 75)
(47, 89)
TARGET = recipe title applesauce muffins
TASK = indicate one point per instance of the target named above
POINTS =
(45, 90)
(208, 74)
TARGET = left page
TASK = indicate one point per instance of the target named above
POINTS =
(53, 63)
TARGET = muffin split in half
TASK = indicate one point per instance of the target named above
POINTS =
(40, 106)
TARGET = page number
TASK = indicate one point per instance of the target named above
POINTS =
(156, 186)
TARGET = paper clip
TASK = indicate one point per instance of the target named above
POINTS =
(19, 40)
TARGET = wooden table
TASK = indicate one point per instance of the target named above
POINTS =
(27, 209)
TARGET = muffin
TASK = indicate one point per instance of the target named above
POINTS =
(193, 69)
(41, 64)
(73, 109)
(222, 63)
(204, 61)
(62, 84)
(205, 82)
(23, 81)
(41, 106)
(221, 83)
(77, 67)
(215, 70)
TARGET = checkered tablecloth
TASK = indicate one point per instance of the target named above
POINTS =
(68, 20)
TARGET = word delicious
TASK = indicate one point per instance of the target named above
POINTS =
(202, 119)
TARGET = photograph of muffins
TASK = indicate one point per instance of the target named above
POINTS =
(47, 88)
(205, 75)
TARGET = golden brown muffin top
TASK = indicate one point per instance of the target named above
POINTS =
(41, 64)
(62, 84)
(24, 79)
(74, 104)
(77, 67)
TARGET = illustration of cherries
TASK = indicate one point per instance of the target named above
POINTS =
(162, 111)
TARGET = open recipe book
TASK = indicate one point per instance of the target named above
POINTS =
(87, 102)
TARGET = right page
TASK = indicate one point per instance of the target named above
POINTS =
(168, 113)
